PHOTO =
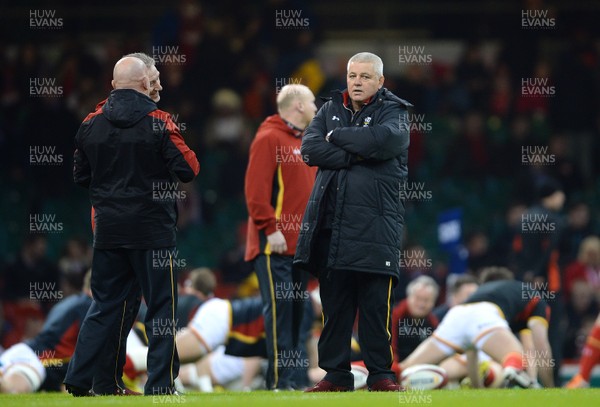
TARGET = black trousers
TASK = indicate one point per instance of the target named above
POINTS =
(343, 293)
(117, 277)
(286, 311)
(106, 375)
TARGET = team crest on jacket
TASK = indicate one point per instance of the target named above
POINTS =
(367, 121)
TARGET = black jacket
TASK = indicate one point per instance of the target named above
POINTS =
(367, 155)
(130, 155)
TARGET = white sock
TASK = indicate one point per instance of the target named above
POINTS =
(139, 358)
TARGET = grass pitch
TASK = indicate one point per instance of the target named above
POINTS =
(442, 398)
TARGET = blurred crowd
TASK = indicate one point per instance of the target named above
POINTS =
(224, 85)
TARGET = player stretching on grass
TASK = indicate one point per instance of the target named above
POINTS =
(24, 366)
(485, 323)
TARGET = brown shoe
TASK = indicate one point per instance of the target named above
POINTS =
(386, 385)
(326, 385)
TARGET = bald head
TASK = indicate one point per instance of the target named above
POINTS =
(290, 93)
(296, 104)
(131, 73)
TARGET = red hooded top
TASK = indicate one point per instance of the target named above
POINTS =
(278, 184)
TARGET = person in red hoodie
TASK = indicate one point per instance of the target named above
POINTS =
(277, 186)
(586, 267)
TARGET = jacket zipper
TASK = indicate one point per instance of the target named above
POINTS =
(353, 113)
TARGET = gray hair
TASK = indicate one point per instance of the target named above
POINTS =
(424, 281)
(146, 59)
(368, 57)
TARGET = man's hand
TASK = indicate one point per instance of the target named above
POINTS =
(277, 242)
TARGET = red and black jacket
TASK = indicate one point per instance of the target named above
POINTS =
(277, 186)
(408, 331)
(131, 155)
(56, 342)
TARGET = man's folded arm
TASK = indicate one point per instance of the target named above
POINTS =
(316, 151)
(381, 141)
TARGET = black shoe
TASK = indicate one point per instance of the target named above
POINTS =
(119, 392)
(78, 391)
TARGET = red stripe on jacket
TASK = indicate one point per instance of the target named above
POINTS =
(95, 112)
(177, 139)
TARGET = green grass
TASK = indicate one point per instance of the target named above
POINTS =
(443, 398)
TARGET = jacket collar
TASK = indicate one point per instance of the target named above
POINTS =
(283, 125)
(382, 94)
(348, 102)
(296, 131)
